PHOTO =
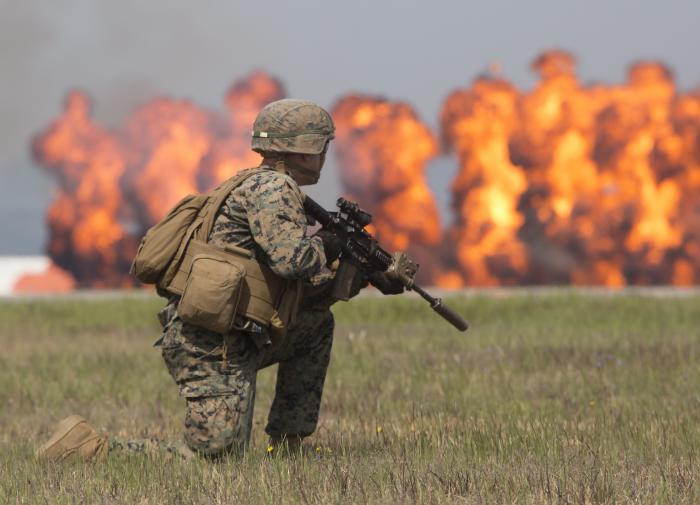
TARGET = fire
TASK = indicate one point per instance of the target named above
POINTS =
(563, 183)
(231, 150)
(115, 184)
(88, 236)
(576, 184)
(477, 125)
(383, 149)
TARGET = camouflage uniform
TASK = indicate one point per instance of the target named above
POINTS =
(216, 373)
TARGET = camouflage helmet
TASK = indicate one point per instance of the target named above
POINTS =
(292, 126)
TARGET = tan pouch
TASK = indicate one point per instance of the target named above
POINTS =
(212, 293)
(287, 310)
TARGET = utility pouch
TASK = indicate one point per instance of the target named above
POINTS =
(212, 292)
(287, 308)
(263, 297)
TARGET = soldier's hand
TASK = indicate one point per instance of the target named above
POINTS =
(332, 245)
(402, 269)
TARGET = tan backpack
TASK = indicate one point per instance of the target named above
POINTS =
(214, 284)
(164, 243)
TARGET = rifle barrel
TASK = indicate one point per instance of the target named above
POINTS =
(445, 312)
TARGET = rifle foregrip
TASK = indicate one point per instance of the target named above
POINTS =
(450, 315)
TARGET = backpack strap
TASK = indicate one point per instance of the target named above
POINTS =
(201, 226)
(216, 199)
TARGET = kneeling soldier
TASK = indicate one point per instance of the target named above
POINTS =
(215, 371)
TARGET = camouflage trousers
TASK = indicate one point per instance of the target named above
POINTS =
(217, 374)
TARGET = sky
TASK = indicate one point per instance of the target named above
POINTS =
(125, 52)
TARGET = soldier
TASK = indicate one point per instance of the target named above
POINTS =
(216, 373)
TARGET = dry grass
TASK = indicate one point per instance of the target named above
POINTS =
(547, 399)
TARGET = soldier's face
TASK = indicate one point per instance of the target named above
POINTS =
(308, 167)
(305, 168)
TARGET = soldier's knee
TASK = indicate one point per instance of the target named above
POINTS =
(214, 426)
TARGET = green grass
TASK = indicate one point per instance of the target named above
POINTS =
(559, 398)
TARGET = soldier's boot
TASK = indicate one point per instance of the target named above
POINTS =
(74, 437)
(286, 445)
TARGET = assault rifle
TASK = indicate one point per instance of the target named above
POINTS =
(361, 250)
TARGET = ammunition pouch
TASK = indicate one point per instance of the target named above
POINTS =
(217, 284)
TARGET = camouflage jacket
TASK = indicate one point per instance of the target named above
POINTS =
(265, 214)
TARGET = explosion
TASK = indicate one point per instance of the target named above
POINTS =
(115, 184)
(383, 149)
(88, 235)
(477, 126)
(575, 184)
(562, 184)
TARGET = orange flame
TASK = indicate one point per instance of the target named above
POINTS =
(87, 234)
(383, 149)
(113, 185)
(478, 125)
(566, 183)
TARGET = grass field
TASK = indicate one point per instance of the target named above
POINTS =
(556, 398)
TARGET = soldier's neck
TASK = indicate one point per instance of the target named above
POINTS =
(270, 162)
